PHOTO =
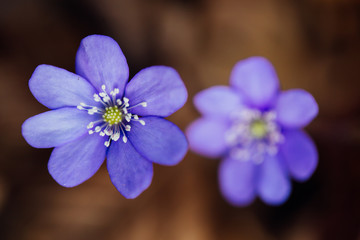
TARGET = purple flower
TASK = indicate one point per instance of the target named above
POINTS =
(256, 129)
(96, 113)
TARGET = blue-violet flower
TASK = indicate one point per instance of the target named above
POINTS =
(96, 113)
(256, 129)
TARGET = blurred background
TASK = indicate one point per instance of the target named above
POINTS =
(313, 44)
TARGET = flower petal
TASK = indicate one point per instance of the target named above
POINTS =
(218, 101)
(56, 127)
(296, 108)
(237, 182)
(300, 154)
(159, 141)
(100, 60)
(207, 137)
(129, 171)
(256, 79)
(77, 161)
(273, 184)
(55, 87)
(160, 87)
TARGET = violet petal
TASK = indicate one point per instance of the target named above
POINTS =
(160, 87)
(256, 79)
(296, 108)
(300, 154)
(55, 127)
(77, 161)
(55, 87)
(130, 173)
(273, 184)
(100, 60)
(207, 136)
(159, 141)
(237, 181)
(218, 101)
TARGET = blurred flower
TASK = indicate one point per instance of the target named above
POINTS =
(96, 114)
(256, 129)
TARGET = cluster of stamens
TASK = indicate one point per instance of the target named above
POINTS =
(115, 117)
(253, 134)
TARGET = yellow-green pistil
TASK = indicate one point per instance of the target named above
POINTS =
(258, 129)
(112, 115)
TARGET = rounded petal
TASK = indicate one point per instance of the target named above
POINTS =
(129, 171)
(207, 137)
(160, 87)
(159, 141)
(256, 79)
(296, 108)
(273, 184)
(100, 60)
(218, 101)
(237, 181)
(77, 161)
(55, 87)
(300, 154)
(56, 127)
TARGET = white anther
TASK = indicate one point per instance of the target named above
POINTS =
(106, 99)
(96, 98)
(113, 112)
(128, 117)
(116, 136)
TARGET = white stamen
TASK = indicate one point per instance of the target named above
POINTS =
(114, 114)
(249, 145)
(128, 117)
(116, 136)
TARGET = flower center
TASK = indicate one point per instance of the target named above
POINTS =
(258, 129)
(112, 115)
(114, 118)
(253, 134)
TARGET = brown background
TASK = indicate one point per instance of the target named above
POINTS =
(314, 44)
